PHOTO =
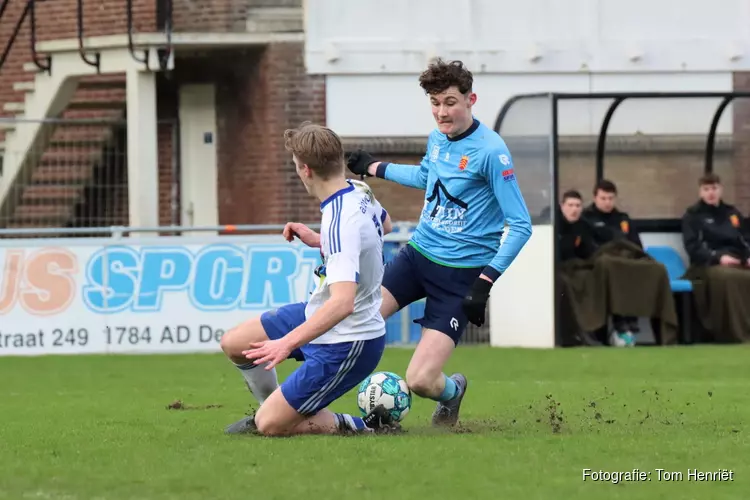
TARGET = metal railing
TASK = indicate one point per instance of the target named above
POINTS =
(76, 177)
(121, 231)
(164, 20)
(165, 24)
(96, 62)
(29, 12)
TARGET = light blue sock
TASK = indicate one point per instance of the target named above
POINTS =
(347, 422)
(450, 391)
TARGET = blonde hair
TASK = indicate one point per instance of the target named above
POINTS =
(318, 147)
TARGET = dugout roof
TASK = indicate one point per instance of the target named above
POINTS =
(617, 98)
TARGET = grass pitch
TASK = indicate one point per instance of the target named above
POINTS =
(99, 427)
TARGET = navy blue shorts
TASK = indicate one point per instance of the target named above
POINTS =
(328, 371)
(411, 276)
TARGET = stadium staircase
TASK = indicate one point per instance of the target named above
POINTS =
(58, 166)
(66, 132)
(58, 171)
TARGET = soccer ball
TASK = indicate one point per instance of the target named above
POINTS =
(387, 389)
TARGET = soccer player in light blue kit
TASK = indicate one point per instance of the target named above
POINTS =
(453, 257)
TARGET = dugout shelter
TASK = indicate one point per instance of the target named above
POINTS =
(549, 159)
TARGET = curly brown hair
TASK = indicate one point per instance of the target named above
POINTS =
(441, 75)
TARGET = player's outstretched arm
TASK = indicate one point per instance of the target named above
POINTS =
(304, 233)
(362, 163)
(502, 180)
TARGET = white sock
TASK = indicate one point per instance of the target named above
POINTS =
(261, 382)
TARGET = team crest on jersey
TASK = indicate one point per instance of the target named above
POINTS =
(578, 241)
(735, 220)
(508, 175)
(434, 153)
(463, 163)
(625, 226)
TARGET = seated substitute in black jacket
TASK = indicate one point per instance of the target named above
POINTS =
(610, 224)
(716, 240)
(714, 232)
(575, 245)
(618, 279)
(607, 221)
(575, 237)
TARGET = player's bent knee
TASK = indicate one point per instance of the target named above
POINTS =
(238, 339)
(230, 342)
(276, 417)
(268, 427)
(226, 343)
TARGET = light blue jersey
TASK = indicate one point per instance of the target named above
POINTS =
(470, 193)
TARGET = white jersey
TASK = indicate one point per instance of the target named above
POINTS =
(351, 240)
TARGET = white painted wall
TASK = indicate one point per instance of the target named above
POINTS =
(394, 105)
(372, 52)
(535, 36)
(522, 302)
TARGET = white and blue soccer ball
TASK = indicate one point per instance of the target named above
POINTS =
(387, 389)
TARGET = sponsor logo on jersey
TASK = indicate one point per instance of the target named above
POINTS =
(447, 213)
(508, 175)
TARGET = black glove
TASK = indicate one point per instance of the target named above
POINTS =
(475, 302)
(359, 161)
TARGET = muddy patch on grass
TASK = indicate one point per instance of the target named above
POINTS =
(555, 417)
(479, 426)
(180, 405)
(468, 426)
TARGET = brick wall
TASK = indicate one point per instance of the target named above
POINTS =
(204, 16)
(219, 15)
(260, 93)
(741, 153)
(57, 20)
(166, 129)
(12, 70)
(651, 185)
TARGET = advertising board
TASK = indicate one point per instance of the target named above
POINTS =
(158, 295)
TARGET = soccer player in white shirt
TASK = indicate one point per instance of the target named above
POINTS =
(339, 334)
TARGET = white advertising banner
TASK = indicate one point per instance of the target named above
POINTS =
(161, 295)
